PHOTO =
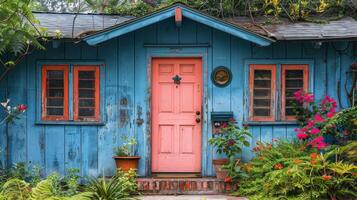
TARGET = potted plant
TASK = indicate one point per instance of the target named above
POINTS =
(228, 140)
(125, 155)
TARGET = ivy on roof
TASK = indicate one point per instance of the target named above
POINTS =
(295, 10)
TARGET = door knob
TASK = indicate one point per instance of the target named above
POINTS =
(198, 116)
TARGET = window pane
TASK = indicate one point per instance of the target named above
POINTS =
(86, 93)
(55, 93)
(294, 73)
(55, 74)
(261, 102)
(57, 83)
(86, 74)
(54, 111)
(86, 112)
(54, 102)
(261, 112)
(87, 102)
(294, 81)
(86, 84)
(262, 93)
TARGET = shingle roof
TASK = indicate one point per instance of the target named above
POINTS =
(286, 30)
(83, 24)
(86, 24)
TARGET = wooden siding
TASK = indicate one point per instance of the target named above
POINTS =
(58, 147)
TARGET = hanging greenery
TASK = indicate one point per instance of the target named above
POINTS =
(295, 10)
(18, 33)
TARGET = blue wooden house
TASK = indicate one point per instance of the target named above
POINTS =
(166, 79)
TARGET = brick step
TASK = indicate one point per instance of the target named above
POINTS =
(179, 186)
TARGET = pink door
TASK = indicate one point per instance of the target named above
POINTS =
(176, 114)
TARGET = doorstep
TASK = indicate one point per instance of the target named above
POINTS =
(179, 186)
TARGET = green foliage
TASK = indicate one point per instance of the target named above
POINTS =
(291, 171)
(128, 148)
(22, 172)
(17, 27)
(15, 189)
(345, 120)
(121, 186)
(54, 187)
(293, 9)
(230, 139)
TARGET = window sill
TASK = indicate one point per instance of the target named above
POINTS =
(252, 123)
(70, 123)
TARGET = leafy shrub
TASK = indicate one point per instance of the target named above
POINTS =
(229, 139)
(289, 170)
(121, 186)
(128, 148)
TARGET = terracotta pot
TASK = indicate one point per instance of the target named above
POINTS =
(125, 163)
(217, 164)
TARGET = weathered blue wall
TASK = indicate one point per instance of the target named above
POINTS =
(127, 93)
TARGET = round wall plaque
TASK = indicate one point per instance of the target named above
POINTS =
(221, 76)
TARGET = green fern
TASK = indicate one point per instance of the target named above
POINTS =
(15, 189)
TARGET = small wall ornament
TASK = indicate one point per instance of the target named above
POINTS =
(221, 76)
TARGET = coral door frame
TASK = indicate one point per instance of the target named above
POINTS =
(178, 52)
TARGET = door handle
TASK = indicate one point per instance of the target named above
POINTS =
(198, 116)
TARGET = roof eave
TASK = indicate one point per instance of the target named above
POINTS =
(168, 12)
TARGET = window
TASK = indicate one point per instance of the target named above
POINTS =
(86, 93)
(264, 93)
(70, 93)
(262, 85)
(294, 78)
(55, 92)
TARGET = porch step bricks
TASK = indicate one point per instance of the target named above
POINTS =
(179, 186)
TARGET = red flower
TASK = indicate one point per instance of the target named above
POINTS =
(232, 120)
(278, 166)
(326, 177)
(315, 131)
(275, 140)
(302, 136)
(228, 179)
(313, 155)
(224, 125)
(21, 107)
(231, 142)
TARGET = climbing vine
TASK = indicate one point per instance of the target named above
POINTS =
(295, 10)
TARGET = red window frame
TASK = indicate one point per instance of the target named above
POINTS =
(45, 69)
(284, 68)
(76, 97)
(252, 69)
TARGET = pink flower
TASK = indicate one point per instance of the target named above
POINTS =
(315, 131)
(308, 98)
(302, 136)
(298, 96)
(318, 143)
(330, 115)
(310, 124)
(318, 118)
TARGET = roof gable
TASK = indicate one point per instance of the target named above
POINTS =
(165, 13)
